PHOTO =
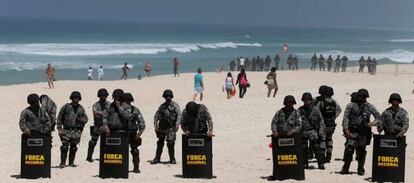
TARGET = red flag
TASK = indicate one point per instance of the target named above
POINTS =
(285, 48)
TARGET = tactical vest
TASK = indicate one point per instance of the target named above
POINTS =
(328, 110)
(168, 117)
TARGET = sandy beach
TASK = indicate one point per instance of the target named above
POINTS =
(240, 147)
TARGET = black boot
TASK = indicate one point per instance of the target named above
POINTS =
(361, 162)
(63, 156)
(320, 160)
(347, 160)
(72, 154)
(328, 157)
(90, 152)
(135, 160)
(171, 152)
(91, 148)
(160, 145)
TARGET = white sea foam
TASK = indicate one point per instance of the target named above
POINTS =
(96, 49)
(398, 55)
(402, 40)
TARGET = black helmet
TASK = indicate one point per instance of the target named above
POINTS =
(322, 89)
(42, 96)
(307, 95)
(192, 108)
(102, 92)
(289, 99)
(363, 93)
(118, 93)
(32, 98)
(354, 97)
(75, 94)
(329, 91)
(168, 93)
(128, 96)
(395, 96)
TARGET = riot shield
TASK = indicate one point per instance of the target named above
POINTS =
(197, 156)
(287, 158)
(114, 156)
(388, 161)
(35, 156)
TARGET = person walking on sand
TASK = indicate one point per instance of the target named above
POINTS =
(50, 75)
(125, 70)
(271, 82)
(176, 63)
(90, 73)
(100, 72)
(243, 83)
(229, 85)
(147, 69)
(198, 84)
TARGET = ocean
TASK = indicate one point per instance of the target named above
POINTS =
(71, 46)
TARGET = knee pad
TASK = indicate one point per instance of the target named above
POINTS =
(134, 152)
(170, 144)
(73, 148)
(92, 143)
(64, 147)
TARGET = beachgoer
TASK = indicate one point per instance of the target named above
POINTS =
(147, 69)
(243, 83)
(90, 73)
(198, 84)
(229, 85)
(271, 82)
(176, 63)
(50, 75)
(100, 72)
(125, 70)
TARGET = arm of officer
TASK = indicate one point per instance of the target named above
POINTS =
(321, 122)
(338, 109)
(59, 122)
(83, 118)
(157, 117)
(375, 113)
(345, 121)
(178, 112)
(141, 121)
(22, 122)
(184, 121)
(209, 121)
(405, 123)
(298, 126)
(273, 126)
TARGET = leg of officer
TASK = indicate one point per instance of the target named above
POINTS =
(134, 144)
(170, 144)
(160, 145)
(92, 144)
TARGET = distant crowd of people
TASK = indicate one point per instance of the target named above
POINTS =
(321, 61)
(370, 63)
(254, 64)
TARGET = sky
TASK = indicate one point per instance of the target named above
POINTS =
(389, 14)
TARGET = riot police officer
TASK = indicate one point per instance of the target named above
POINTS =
(330, 110)
(357, 130)
(34, 119)
(136, 126)
(71, 120)
(99, 110)
(166, 124)
(312, 125)
(196, 120)
(287, 121)
(394, 120)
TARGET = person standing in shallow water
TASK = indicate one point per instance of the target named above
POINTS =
(90, 73)
(125, 70)
(50, 75)
(100, 72)
(198, 84)
(271, 82)
(176, 63)
(243, 82)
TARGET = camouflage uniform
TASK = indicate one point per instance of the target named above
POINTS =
(70, 121)
(50, 107)
(37, 121)
(356, 119)
(329, 62)
(394, 122)
(312, 124)
(344, 63)
(100, 110)
(337, 64)
(167, 120)
(135, 126)
(283, 123)
(329, 124)
(201, 125)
